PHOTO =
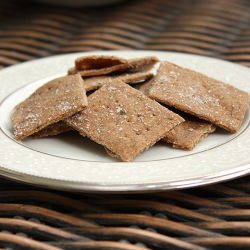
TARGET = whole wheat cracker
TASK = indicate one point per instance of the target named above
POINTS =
(53, 102)
(117, 65)
(199, 95)
(123, 120)
(188, 134)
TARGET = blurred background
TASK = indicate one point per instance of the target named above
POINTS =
(34, 29)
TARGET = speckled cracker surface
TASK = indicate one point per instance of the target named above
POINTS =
(52, 130)
(197, 94)
(188, 134)
(93, 83)
(123, 120)
(54, 101)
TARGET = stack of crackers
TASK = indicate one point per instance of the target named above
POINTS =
(123, 106)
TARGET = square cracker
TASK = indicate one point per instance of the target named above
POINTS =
(123, 120)
(188, 134)
(199, 95)
(53, 102)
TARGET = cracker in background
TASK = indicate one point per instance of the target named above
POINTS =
(142, 63)
(199, 95)
(93, 83)
(98, 65)
(98, 62)
(123, 120)
(188, 134)
(54, 101)
(103, 65)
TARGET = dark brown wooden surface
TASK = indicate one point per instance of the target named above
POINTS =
(211, 217)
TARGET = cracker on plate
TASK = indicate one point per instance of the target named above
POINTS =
(123, 120)
(103, 65)
(53, 102)
(199, 95)
(188, 134)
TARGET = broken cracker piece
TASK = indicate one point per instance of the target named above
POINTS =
(199, 95)
(52, 130)
(123, 120)
(188, 134)
(53, 102)
(93, 83)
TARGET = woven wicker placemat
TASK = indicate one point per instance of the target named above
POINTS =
(211, 217)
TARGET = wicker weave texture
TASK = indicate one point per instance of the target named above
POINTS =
(212, 217)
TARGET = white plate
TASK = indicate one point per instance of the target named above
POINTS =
(71, 162)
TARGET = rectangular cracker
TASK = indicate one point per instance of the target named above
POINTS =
(123, 120)
(93, 83)
(188, 134)
(103, 65)
(199, 95)
(53, 102)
